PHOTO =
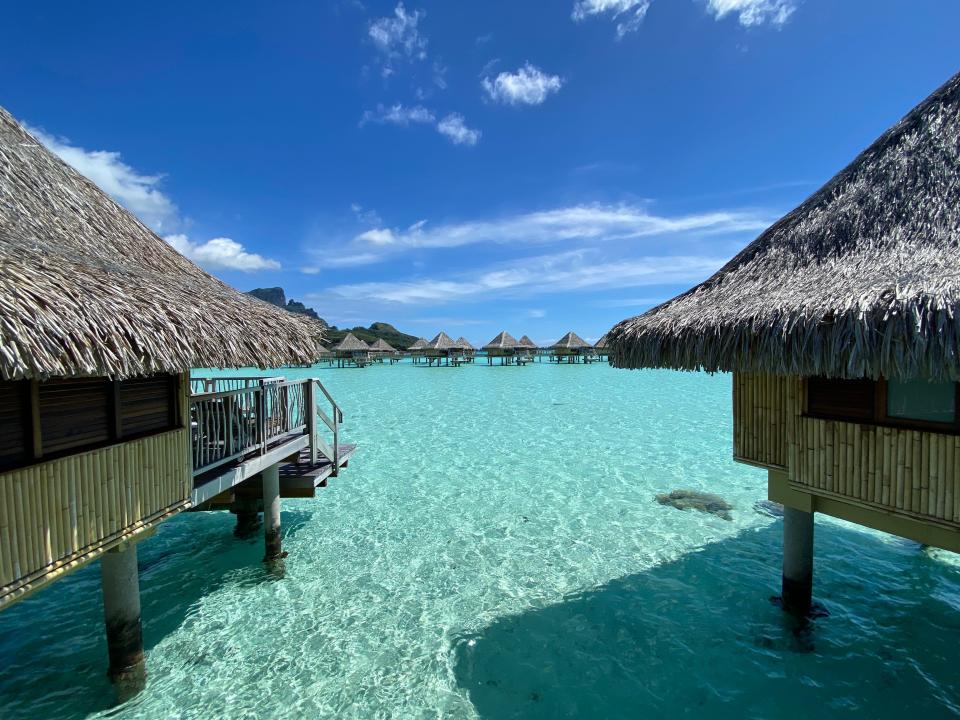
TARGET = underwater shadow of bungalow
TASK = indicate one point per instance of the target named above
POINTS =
(103, 433)
(841, 326)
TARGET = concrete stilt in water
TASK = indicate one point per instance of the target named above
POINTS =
(797, 594)
(121, 611)
(271, 512)
(247, 513)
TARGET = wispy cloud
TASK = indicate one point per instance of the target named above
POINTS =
(754, 12)
(562, 272)
(221, 254)
(398, 37)
(629, 14)
(454, 127)
(527, 86)
(397, 114)
(138, 193)
(586, 223)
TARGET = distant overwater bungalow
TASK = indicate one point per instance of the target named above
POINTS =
(418, 350)
(467, 348)
(503, 348)
(352, 352)
(571, 348)
(104, 432)
(528, 347)
(443, 350)
(841, 326)
(382, 350)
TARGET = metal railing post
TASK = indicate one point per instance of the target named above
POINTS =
(310, 403)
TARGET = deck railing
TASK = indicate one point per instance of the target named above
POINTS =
(233, 418)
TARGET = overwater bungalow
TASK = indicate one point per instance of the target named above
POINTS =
(352, 352)
(571, 348)
(467, 348)
(324, 355)
(418, 350)
(841, 326)
(382, 350)
(104, 434)
(443, 350)
(528, 348)
(600, 348)
(504, 347)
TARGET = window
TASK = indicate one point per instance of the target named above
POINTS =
(934, 402)
(841, 399)
(902, 403)
(45, 420)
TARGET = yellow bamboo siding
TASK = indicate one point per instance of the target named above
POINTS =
(907, 471)
(54, 513)
(761, 422)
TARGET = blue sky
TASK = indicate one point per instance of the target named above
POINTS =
(471, 167)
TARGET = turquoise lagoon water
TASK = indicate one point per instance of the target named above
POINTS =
(494, 551)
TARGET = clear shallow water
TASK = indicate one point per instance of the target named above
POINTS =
(494, 551)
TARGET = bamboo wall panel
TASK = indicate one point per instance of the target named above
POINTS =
(910, 471)
(762, 421)
(55, 511)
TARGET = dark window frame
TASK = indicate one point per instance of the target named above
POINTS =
(33, 430)
(879, 414)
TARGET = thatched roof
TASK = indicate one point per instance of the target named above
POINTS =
(420, 344)
(442, 342)
(601, 343)
(527, 343)
(351, 343)
(464, 344)
(87, 289)
(382, 346)
(321, 351)
(861, 280)
(571, 341)
(503, 341)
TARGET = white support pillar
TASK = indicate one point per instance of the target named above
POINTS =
(271, 512)
(121, 611)
(797, 595)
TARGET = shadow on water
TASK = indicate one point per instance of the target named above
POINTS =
(700, 637)
(62, 664)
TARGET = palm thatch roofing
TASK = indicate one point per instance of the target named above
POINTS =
(601, 344)
(464, 344)
(86, 289)
(528, 344)
(442, 342)
(571, 341)
(420, 344)
(321, 351)
(351, 343)
(861, 280)
(503, 341)
(382, 346)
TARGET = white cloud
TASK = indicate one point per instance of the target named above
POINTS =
(397, 115)
(221, 254)
(138, 193)
(563, 272)
(754, 12)
(398, 37)
(377, 236)
(579, 222)
(629, 14)
(454, 128)
(527, 86)
(536, 313)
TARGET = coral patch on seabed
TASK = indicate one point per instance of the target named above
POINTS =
(696, 500)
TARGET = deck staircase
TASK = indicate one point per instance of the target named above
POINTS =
(243, 425)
